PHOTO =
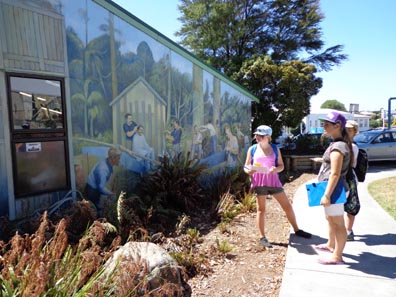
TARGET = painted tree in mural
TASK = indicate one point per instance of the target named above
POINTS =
(181, 90)
(89, 87)
(232, 35)
(99, 71)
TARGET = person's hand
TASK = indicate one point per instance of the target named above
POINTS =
(325, 201)
(249, 171)
(272, 169)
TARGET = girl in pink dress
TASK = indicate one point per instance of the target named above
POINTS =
(268, 183)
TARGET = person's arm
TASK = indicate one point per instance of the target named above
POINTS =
(127, 132)
(336, 159)
(102, 179)
(248, 162)
(355, 150)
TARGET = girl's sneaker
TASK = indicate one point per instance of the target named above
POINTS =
(351, 236)
(264, 242)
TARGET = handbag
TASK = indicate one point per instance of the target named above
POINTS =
(316, 191)
(352, 205)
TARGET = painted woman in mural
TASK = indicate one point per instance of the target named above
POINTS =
(142, 148)
(213, 137)
(231, 147)
(196, 143)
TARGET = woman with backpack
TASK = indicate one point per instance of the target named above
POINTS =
(267, 182)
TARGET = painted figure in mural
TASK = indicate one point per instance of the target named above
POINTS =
(231, 147)
(141, 147)
(196, 143)
(174, 137)
(241, 136)
(99, 177)
(213, 137)
(130, 128)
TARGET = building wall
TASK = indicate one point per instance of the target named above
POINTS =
(314, 125)
(99, 51)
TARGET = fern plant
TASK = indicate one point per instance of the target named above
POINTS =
(175, 185)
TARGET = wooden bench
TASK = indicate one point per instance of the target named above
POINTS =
(301, 162)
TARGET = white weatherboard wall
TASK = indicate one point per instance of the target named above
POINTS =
(314, 125)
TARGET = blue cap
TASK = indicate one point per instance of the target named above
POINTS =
(263, 130)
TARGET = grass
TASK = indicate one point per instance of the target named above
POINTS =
(382, 191)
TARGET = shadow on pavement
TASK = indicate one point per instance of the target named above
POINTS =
(306, 246)
(375, 239)
(373, 264)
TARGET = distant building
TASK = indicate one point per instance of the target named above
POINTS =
(312, 124)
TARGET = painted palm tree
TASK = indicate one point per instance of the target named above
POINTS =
(91, 100)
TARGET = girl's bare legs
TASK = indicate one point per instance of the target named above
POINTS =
(350, 219)
(260, 217)
(287, 208)
(338, 231)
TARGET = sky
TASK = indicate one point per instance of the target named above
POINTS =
(366, 29)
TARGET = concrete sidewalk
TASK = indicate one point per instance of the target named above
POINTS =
(370, 268)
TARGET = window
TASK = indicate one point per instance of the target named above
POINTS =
(36, 103)
(38, 135)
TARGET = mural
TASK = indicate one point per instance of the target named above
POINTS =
(132, 93)
(130, 97)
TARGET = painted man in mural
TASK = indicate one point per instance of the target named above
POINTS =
(130, 128)
(175, 138)
(99, 177)
(213, 137)
(142, 148)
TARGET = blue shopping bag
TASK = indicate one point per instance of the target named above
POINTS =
(316, 191)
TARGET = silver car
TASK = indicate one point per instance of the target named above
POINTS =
(379, 144)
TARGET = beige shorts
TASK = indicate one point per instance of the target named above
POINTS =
(334, 210)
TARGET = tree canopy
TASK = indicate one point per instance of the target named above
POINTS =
(234, 36)
(333, 104)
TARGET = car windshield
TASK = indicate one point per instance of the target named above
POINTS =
(365, 137)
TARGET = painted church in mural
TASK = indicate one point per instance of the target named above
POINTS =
(86, 84)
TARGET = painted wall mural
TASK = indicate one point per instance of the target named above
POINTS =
(131, 97)
(130, 92)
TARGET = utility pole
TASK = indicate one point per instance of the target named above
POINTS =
(390, 112)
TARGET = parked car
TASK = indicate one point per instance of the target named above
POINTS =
(380, 145)
(308, 143)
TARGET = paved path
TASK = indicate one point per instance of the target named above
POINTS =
(370, 268)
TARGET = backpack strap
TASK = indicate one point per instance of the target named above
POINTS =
(274, 148)
(252, 151)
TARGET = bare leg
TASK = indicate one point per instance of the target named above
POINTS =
(350, 219)
(340, 235)
(260, 218)
(287, 208)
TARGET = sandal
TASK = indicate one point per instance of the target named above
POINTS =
(323, 248)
